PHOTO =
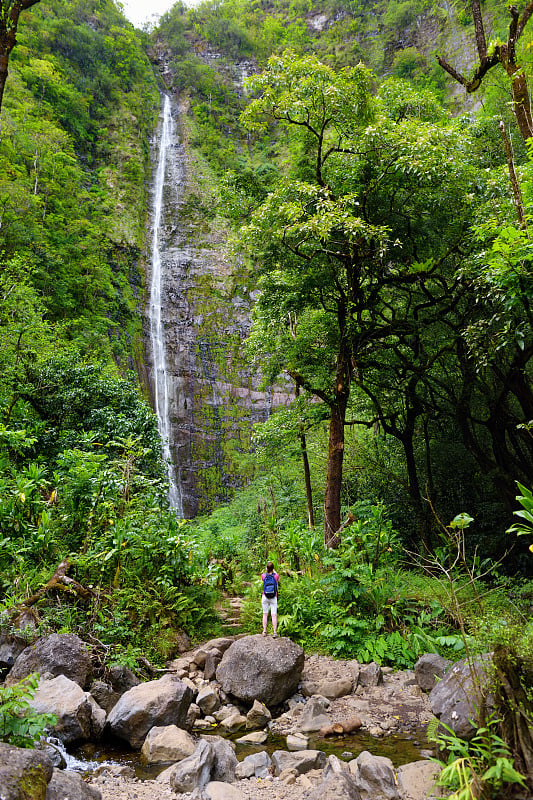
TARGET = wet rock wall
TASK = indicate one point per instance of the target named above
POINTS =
(214, 398)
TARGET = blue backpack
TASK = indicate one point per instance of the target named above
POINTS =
(270, 585)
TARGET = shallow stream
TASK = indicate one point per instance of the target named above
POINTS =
(400, 748)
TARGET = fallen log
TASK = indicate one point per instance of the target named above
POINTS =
(341, 728)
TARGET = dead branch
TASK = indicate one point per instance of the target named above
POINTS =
(59, 580)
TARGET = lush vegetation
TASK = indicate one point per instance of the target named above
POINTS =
(20, 725)
(385, 233)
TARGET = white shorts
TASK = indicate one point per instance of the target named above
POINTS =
(269, 603)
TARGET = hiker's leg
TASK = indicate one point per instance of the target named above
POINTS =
(264, 606)
(275, 623)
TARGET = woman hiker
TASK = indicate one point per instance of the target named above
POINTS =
(269, 598)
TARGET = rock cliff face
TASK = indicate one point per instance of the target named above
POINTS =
(213, 399)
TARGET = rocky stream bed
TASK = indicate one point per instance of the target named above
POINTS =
(239, 717)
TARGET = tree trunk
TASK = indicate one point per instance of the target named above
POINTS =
(9, 17)
(307, 472)
(522, 104)
(307, 477)
(332, 495)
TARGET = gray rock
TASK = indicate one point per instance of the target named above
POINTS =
(73, 708)
(98, 719)
(314, 716)
(258, 716)
(257, 764)
(370, 675)
(167, 744)
(465, 688)
(254, 737)
(224, 758)
(217, 790)
(104, 694)
(355, 669)
(428, 668)
(122, 679)
(16, 765)
(207, 700)
(302, 761)
(260, 668)
(192, 715)
(57, 654)
(193, 772)
(235, 722)
(10, 649)
(70, 786)
(374, 777)
(338, 786)
(199, 657)
(244, 769)
(221, 644)
(297, 741)
(328, 688)
(416, 781)
(212, 660)
(155, 703)
(335, 766)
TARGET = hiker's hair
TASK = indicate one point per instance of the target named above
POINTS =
(270, 567)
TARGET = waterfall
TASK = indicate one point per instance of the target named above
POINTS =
(160, 377)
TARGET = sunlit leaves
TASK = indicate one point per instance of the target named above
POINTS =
(305, 92)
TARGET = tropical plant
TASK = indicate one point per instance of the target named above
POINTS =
(525, 513)
(478, 768)
(20, 725)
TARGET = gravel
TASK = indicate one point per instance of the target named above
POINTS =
(120, 788)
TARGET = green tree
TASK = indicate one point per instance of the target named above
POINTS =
(310, 240)
(10, 11)
(353, 259)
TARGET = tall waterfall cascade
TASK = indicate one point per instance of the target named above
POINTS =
(161, 377)
(197, 318)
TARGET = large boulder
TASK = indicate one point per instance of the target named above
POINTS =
(261, 668)
(224, 758)
(167, 745)
(24, 774)
(78, 716)
(465, 688)
(104, 695)
(193, 772)
(70, 786)
(374, 777)
(416, 781)
(337, 786)
(57, 654)
(430, 668)
(155, 703)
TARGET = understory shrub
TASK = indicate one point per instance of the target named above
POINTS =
(20, 725)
